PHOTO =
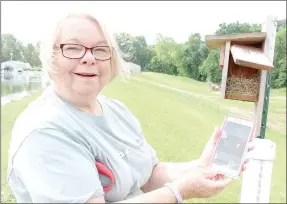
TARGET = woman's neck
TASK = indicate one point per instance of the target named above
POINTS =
(86, 103)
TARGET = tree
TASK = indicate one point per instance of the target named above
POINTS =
(11, 48)
(150, 50)
(194, 53)
(281, 23)
(278, 74)
(211, 68)
(165, 49)
(133, 48)
(28, 52)
(160, 66)
(234, 28)
(125, 43)
(35, 56)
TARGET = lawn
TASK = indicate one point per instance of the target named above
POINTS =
(177, 124)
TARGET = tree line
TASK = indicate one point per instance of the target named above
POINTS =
(190, 59)
(13, 49)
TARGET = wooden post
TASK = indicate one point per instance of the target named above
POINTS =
(268, 48)
(256, 180)
(222, 53)
(225, 69)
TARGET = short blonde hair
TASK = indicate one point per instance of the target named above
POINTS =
(47, 46)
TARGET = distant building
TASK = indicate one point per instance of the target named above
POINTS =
(132, 68)
(14, 66)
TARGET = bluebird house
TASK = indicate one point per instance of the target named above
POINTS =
(242, 60)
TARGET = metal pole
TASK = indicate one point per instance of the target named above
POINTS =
(265, 107)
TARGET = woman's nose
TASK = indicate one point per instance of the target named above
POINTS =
(88, 58)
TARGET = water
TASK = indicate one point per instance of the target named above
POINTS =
(16, 86)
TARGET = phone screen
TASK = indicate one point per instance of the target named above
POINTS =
(231, 146)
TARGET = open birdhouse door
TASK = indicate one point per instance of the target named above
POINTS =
(242, 59)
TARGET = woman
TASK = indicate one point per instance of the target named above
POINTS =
(57, 139)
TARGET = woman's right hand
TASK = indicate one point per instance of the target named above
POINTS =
(201, 183)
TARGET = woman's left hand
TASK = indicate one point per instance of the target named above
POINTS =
(206, 155)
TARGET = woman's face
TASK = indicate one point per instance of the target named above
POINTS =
(86, 75)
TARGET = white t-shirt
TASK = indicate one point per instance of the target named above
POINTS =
(54, 147)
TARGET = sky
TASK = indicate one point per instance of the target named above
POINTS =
(29, 21)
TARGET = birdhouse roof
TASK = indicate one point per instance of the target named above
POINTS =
(217, 41)
(250, 57)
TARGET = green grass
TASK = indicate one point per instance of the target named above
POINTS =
(177, 125)
(278, 92)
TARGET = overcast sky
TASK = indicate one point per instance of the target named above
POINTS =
(28, 21)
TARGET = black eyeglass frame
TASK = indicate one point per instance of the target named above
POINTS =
(86, 49)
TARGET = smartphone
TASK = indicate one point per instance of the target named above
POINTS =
(231, 147)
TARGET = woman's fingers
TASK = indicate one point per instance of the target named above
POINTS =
(243, 167)
(251, 145)
(220, 177)
(215, 136)
(219, 185)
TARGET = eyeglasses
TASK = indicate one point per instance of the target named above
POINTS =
(75, 51)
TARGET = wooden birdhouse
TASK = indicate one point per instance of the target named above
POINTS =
(242, 59)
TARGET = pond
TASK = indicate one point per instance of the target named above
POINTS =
(16, 86)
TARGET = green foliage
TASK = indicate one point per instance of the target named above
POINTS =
(278, 75)
(161, 66)
(13, 49)
(133, 48)
(195, 52)
(211, 68)
(234, 28)
(281, 23)
(37, 68)
(190, 59)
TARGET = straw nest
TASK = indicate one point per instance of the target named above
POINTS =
(243, 86)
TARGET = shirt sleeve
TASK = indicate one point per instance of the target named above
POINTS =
(153, 154)
(55, 168)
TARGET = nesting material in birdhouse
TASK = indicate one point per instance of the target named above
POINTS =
(243, 83)
(240, 87)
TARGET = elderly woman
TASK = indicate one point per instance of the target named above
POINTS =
(58, 138)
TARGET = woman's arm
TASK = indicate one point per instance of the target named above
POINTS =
(165, 172)
(161, 195)
(199, 184)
